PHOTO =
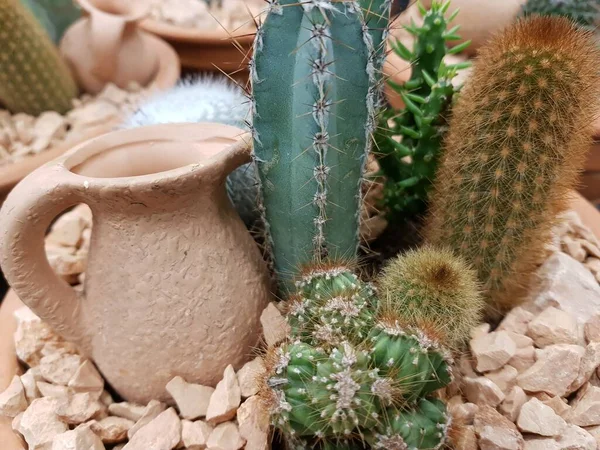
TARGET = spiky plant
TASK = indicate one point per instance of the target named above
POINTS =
(435, 287)
(518, 138)
(206, 99)
(33, 77)
(350, 374)
(408, 141)
(315, 92)
(54, 15)
(584, 12)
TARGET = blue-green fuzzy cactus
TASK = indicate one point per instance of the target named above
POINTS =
(54, 15)
(314, 81)
(584, 12)
(408, 141)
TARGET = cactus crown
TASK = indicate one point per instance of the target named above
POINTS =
(435, 290)
(518, 137)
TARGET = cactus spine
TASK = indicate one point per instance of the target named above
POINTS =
(33, 77)
(410, 164)
(356, 371)
(518, 137)
(314, 78)
(584, 12)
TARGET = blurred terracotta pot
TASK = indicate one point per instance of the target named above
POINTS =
(170, 259)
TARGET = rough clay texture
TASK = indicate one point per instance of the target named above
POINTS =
(546, 396)
(186, 237)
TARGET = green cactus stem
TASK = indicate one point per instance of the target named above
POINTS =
(519, 135)
(408, 141)
(314, 101)
(33, 77)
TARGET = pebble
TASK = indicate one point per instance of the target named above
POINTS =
(225, 436)
(492, 351)
(559, 405)
(254, 424)
(557, 366)
(592, 329)
(517, 321)
(275, 327)
(589, 363)
(81, 438)
(78, 408)
(495, 431)
(39, 424)
(504, 378)
(52, 390)
(553, 326)
(538, 418)
(483, 391)
(514, 400)
(225, 400)
(249, 375)
(163, 432)
(524, 358)
(585, 409)
(152, 409)
(12, 399)
(127, 410)
(192, 399)
(87, 379)
(194, 435)
(111, 430)
(29, 380)
(59, 368)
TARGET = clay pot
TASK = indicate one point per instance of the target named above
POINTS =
(174, 282)
(479, 19)
(107, 46)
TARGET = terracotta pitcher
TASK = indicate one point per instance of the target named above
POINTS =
(107, 46)
(174, 284)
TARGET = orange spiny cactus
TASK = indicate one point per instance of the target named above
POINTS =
(517, 140)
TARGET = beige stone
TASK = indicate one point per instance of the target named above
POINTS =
(78, 408)
(511, 406)
(81, 438)
(127, 410)
(152, 409)
(463, 413)
(67, 230)
(195, 434)
(559, 405)
(589, 363)
(553, 326)
(163, 432)
(39, 424)
(592, 328)
(225, 436)
(226, 398)
(52, 390)
(524, 358)
(249, 375)
(480, 330)
(483, 391)
(87, 379)
(504, 378)
(517, 321)
(66, 265)
(106, 399)
(275, 327)
(466, 366)
(30, 338)
(568, 285)
(573, 248)
(537, 443)
(493, 350)
(495, 431)
(29, 380)
(521, 341)
(557, 366)
(191, 399)
(111, 430)
(59, 368)
(253, 421)
(12, 399)
(576, 438)
(585, 408)
(537, 418)
(595, 432)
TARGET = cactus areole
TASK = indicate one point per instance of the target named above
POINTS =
(315, 88)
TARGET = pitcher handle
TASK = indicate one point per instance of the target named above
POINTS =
(24, 219)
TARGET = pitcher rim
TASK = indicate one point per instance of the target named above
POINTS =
(132, 16)
(94, 146)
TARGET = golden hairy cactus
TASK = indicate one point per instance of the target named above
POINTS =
(518, 138)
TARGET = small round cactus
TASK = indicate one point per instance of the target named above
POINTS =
(432, 288)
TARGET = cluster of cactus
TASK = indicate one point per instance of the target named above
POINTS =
(585, 12)
(356, 370)
(33, 77)
(316, 86)
(54, 15)
(206, 99)
(518, 138)
(408, 141)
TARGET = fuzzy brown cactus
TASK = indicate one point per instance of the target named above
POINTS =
(517, 140)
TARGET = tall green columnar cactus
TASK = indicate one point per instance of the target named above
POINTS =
(33, 77)
(314, 103)
(517, 140)
(409, 163)
(584, 12)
